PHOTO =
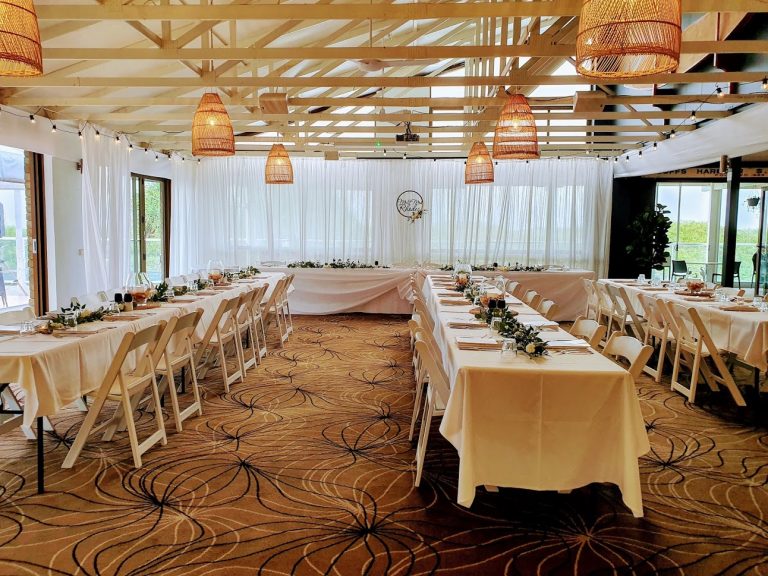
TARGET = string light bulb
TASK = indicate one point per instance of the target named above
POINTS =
(32, 118)
(640, 153)
(130, 147)
(672, 134)
(719, 92)
(765, 83)
(117, 139)
(693, 116)
(53, 129)
(655, 145)
(157, 157)
(615, 159)
(80, 134)
(97, 135)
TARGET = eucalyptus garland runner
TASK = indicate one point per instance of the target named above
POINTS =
(338, 264)
(495, 267)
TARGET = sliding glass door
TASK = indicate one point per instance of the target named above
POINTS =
(149, 235)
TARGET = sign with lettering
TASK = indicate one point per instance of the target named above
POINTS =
(713, 172)
(410, 205)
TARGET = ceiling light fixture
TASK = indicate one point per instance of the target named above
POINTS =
(620, 39)
(515, 136)
(279, 169)
(479, 167)
(20, 50)
(212, 133)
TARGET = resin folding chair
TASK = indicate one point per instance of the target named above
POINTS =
(657, 333)
(514, 288)
(179, 354)
(548, 309)
(592, 305)
(285, 306)
(424, 377)
(248, 339)
(590, 330)
(257, 318)
(630, 349)
(424, 315)
(221, 334)
(604, 305)
(272, 310)
(532, 298)
(121, 386)
(436, 398)
(707, 359)
(622, 314)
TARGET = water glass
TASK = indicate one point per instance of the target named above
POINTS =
(70, 319)
(27, 328)
(114, 307)
(641, 278)
(756, 301)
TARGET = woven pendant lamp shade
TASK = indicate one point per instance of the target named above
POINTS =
(628, 39)
(515, 136)
(212, 133)
(20, 51)
(279, 169)
(479, 168)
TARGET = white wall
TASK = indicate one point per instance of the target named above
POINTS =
(66, 234)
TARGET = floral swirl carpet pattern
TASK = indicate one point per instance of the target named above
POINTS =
(305, 468)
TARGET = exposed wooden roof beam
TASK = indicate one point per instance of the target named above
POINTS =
(410, 11)
(368, 81)
(538, 48)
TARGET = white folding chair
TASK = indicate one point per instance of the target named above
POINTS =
(285, 306)
(437, 394)
(248, 339)
(513, 288)
(122, 387)
(548, 309)
(272, 310)
(657, 333)
(221, 334)
(630, 349)
(532, 298)
(178, 353)
(591, 308)
(698, 344)
(590, 330)
(257, 318)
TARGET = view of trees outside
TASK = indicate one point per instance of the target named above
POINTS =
(152, 241)
(692, 237)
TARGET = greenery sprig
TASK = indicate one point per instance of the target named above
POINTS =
(526, 338)
(161, 293)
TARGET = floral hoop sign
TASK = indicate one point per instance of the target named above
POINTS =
(410, 205)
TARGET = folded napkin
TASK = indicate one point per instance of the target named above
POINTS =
(121, 318)
(185, 299)
(463, 302)
(206, 292)
(71, 334)
(467, 325)
(92, 328)
(655, 289)
(540, 323)
(468, 343)
(4, 338)
(572, 343)
(449, 294)
(698, 298)
(739, 308)
(9, 332)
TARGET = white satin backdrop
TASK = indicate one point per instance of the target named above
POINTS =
(106, 209)
(543, 212)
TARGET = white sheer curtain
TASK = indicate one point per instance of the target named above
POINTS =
(543, 212)
(106, 211)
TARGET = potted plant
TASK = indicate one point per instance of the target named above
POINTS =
(650, 239)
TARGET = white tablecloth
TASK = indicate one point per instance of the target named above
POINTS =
(742, 333)
(553, 423)
(335, 291)
(54, 372)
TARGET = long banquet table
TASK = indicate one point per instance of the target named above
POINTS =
(55, 371)
(744, 333)
(564, 287)
(557, 422)
(387, 290)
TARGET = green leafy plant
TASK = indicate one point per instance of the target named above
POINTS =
(161, 293)
(650, 238)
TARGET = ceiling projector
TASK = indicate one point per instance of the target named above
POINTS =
(407, 136)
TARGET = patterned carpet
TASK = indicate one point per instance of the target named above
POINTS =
(306, 469)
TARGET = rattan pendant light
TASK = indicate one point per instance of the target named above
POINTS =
(20, 50)
(212, 133)
(515, 136)
(479, 168)
(279, 169)
(628, 39)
